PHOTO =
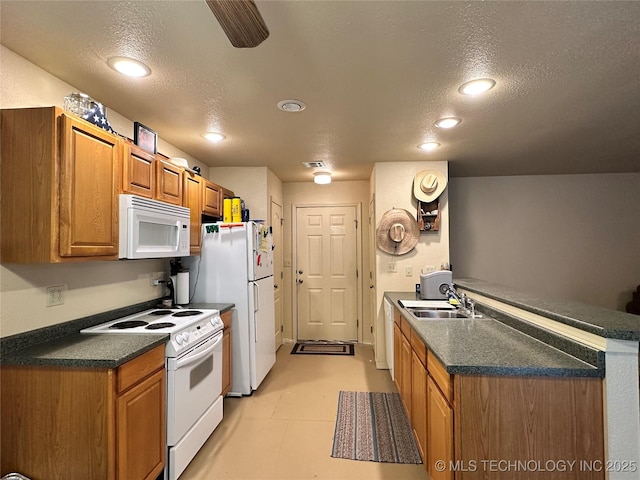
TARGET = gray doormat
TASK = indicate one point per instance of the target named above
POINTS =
(322, 348)
(373, 426)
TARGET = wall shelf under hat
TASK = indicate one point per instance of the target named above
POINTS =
(428, 216)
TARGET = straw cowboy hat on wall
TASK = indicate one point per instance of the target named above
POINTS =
(397, 232)
(428, 185)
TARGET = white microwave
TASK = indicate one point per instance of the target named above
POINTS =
(152, 229)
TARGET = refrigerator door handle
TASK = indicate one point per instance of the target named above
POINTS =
(256, 298)
(256, 303)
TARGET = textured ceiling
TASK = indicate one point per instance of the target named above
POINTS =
(374, 75)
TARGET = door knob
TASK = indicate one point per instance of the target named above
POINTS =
(370, 286)
(300, 280)
(300, 272)
(275, 285)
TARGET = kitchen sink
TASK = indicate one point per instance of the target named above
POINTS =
(424, 313)
(435, 314)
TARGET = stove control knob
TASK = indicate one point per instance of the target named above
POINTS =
(185, 337)
(179, 339)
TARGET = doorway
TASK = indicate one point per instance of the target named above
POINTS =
(326, 272)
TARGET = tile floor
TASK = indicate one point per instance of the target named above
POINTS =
(285, 429)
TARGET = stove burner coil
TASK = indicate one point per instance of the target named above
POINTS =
(161, 312)
(159, 325)
(186, 313)
(128, 324)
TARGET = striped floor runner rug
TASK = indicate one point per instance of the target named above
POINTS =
(373, 426)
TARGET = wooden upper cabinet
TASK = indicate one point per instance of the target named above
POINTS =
(224, 194)
(192, 198)
(60, 186)
(169, 183)
(89, 189)
(211, 199)
(138, 172)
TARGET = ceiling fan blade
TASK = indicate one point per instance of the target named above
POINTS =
(241, 21)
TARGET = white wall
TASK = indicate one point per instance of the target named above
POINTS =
(393, 187)
(252, 185)
(308, 193)
(92, 287)
(570, 236)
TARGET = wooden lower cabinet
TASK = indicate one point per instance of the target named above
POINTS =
(397, 351)
(405, 372)
(226, 352)
(469, 421)
(419, 404)
(439, 434)
(85, 423)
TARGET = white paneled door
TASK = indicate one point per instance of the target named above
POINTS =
(278, 274)
(326, 273)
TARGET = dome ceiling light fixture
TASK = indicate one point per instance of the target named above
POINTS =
(476, 87)
(322, 178)
(213, 137)
(129, 67)
(428, 146)
(448, 122)
(291, 106)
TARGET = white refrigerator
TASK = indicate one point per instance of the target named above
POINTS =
(236, 266)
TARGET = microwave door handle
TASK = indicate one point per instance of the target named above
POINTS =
(189, 359)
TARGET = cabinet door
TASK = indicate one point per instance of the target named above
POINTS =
(138, 172)
(397, 355)
(405, 360)
(192, 198)
(419, 403)
(141, 432)
(226, 361)
(439, 433)
(168, 183)
(89, 189)
(211, 199)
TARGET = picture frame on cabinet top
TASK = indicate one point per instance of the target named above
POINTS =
(145, 138)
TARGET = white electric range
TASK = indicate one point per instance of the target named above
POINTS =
(194, 374)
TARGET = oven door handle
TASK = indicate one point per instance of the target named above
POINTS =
(189, 359)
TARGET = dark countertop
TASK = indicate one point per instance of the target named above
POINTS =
(86, 350)
(489, 347)
(597, 320)
(63, 345)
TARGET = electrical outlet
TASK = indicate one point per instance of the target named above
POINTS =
(408, 271)
(391, 267)
(55, 295)
(156, 278)
(429, 268)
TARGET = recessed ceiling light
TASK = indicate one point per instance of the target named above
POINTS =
(322, 178)
(474, 87)
(448, 122)
(129, 67)
(291, 106)
(428, 146)
(214, 137)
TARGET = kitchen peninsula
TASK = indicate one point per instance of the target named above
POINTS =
(531, 380)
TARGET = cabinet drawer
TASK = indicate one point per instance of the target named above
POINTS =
(440, 376)
(135, 370)
(396, 316)
(418, 347)
(405, 327)
(226, 319)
